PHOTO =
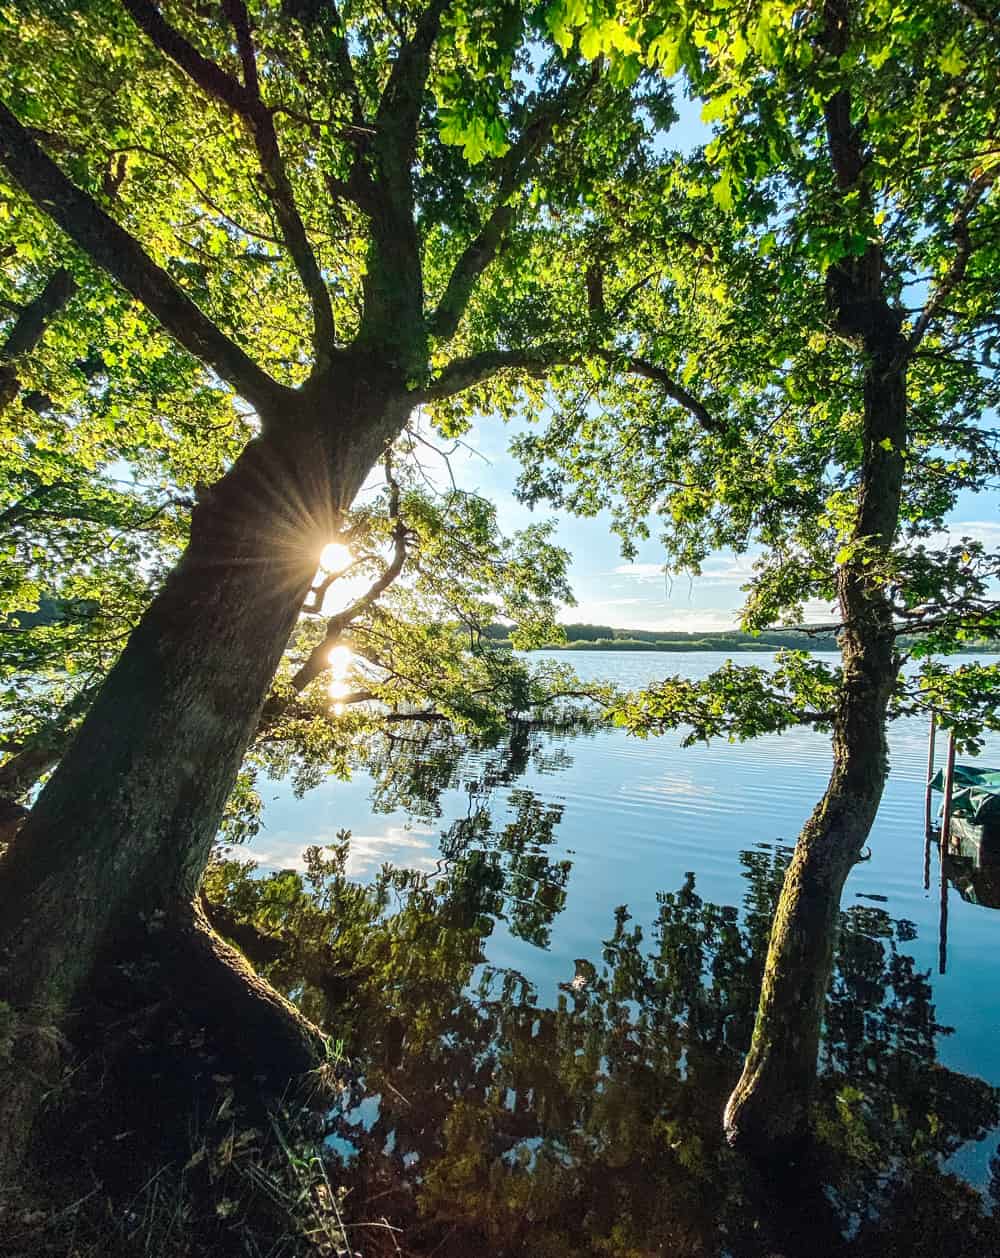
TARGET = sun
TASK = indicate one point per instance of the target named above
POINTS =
(340, 658)
(335, 557)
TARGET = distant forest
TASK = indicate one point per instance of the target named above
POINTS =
(607, 638)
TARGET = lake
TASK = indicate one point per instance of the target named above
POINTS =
(574, 1070)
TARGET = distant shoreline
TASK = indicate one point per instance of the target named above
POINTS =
(583, 638)
(680, 646)
(737, 647)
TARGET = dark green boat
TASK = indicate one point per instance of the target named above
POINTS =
(973, 850)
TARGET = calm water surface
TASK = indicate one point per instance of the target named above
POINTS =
(604, 820)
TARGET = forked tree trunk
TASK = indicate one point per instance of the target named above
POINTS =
(122, 831)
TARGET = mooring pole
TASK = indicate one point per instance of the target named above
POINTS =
(929, 803)
(949, 781)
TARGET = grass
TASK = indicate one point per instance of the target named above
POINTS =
(153, 1144)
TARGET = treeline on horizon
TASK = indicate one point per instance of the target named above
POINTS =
(580, 637)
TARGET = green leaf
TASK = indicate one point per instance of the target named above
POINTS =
(590, 42)
(952, 60)
(717, 106)
(722, 192)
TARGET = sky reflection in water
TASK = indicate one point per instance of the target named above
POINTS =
(543, 1058)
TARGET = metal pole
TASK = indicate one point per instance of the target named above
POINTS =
(949, 783)
(949, 779)
(929, 803)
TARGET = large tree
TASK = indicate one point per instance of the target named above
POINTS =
(841, 314)
(402, 620)
(341, 216)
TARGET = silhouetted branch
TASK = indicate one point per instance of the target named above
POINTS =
(121, 255)
(29, 328)
(463, 373)
(318, 659)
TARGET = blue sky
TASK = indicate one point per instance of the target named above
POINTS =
(609, 589)
(636, 594)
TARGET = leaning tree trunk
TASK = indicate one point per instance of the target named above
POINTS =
(768, 1111)
(122, 831)
(769, 1108)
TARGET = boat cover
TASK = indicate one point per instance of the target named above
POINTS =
(975, 793)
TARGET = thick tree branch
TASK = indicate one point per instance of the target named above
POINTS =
(381, 182)
(424, 714)
(29, 328)
(209, 76)
(472, 262)
(35, 316)
(121, 255)
(463, 373)
(515, 169)
(245, 100)
(960, 262)
(398, 115)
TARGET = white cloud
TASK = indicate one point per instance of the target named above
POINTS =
(409, 848)
(641, 571)
(720, 569)
(985, 531)
(735, 570)
(689, 619)
(575, 615)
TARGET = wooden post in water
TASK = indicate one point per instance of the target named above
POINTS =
(929, 803)
(949, 782)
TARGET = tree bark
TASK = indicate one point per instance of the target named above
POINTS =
(215, 983)
(122, 831)
(768, 1111)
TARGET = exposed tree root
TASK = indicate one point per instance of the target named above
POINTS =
(178, 967)
(217, 986)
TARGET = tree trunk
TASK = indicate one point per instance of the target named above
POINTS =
(768, 1111)
(122, 831)
(769, 1107)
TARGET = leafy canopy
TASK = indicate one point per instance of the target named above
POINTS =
(736, 253)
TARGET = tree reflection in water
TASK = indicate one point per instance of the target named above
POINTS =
(480, 1121)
